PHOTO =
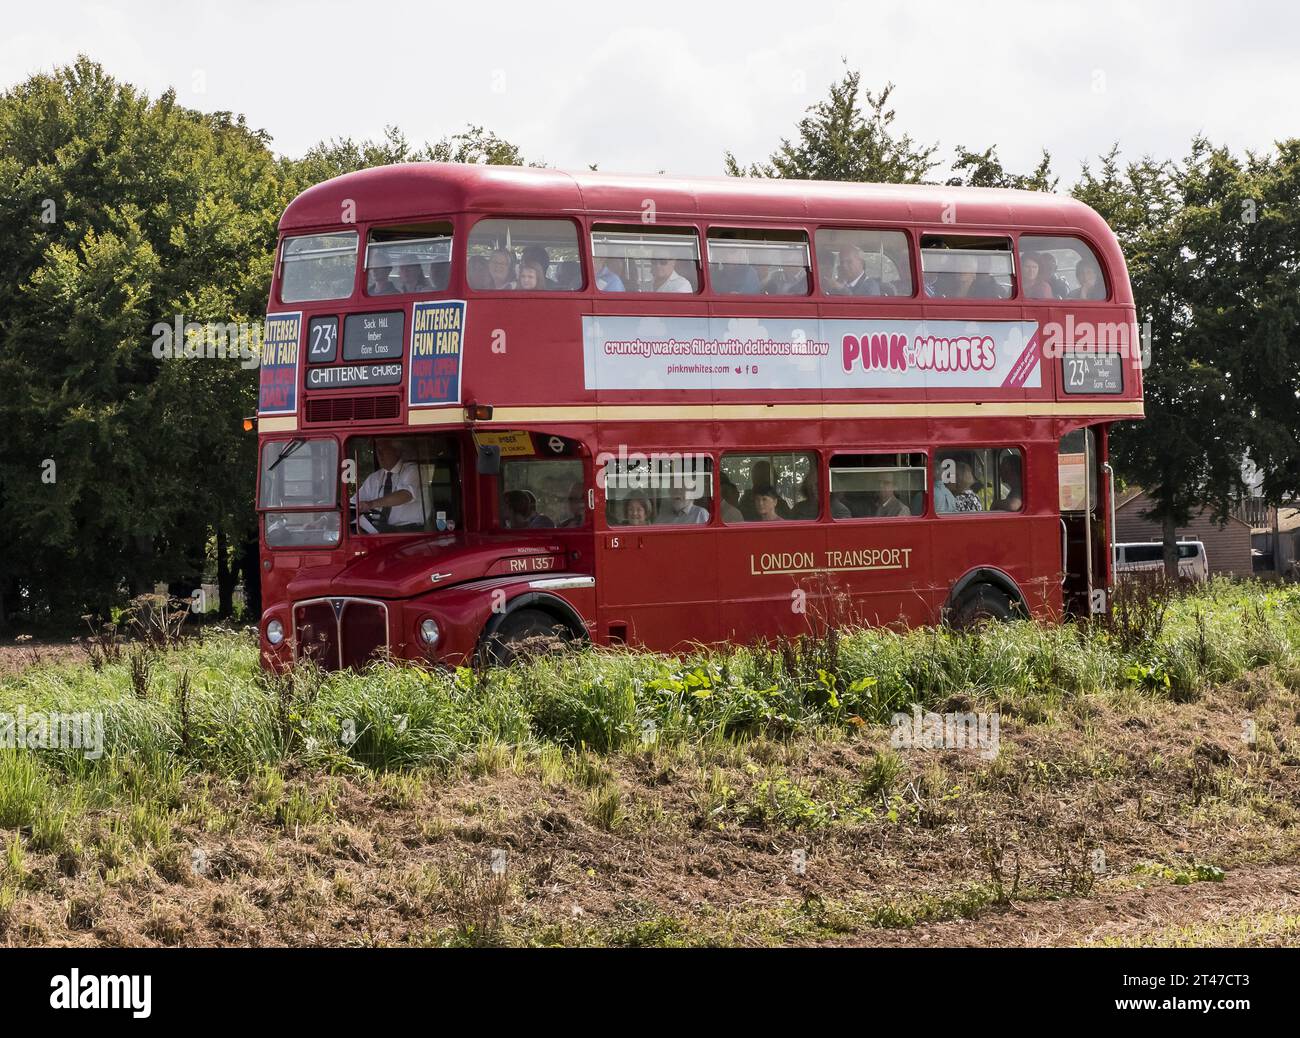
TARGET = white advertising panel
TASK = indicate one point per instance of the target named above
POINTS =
(648, 353)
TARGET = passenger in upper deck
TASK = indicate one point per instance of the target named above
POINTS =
(1060, 290)
(477, 273)
(736, 277)
(379, 281)
(410, 278)
(607, 280)
(538, 256)
(501, 270)
(530, 278)
(666, 278)
(1032, 285)
(853, 274)
(831, 284)
(1090, 284)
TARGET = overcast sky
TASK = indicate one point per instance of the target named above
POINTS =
(644, 87)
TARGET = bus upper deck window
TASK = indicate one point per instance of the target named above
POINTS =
(1059, 268)
(645, 259)
(401, 261)
(746, 262)
(523, 255)
(318, 266)
(958, 266)
(863, 263)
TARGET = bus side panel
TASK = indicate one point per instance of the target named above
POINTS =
(659, 585)
(768, 584)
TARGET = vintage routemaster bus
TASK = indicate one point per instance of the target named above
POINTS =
(498, 403)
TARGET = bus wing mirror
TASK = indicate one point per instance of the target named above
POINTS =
(489, 459)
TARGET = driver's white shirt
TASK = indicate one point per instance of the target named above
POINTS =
(406, 476)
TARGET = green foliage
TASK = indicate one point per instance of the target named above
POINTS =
(122, 212)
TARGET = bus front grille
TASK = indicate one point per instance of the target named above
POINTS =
(341, 632)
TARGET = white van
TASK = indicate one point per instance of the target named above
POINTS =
(1149, 557)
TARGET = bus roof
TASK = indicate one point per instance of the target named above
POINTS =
(427, 189)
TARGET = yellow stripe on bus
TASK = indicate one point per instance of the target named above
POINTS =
(806, 412)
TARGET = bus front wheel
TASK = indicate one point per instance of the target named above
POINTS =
(524, 633)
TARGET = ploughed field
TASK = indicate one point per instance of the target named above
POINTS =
(1132, 782)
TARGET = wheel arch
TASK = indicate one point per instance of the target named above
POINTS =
(553, 605)
(977, 575)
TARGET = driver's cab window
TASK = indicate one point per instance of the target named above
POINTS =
(404, 484)
(542, 493)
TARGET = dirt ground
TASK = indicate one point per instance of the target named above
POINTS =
(16, 656)
(1135, 823)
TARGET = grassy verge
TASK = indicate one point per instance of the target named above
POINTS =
(746, 796)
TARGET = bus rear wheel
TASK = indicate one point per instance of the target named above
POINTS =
(981, 605)
(525, 633)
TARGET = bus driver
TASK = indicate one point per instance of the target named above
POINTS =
(393, 490)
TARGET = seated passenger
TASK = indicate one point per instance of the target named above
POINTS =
(785, 281)
(439, 276)
(530, 278)
(1032, 285)
(810, 506)
(568, 275)
(1090, 285)
(637, 510)
(731, 512)
(379, 281)
(964, 494)
(606, 279)
(681, 510)
(853, 274)
(1060, 290)
(891, 506)
(960, 283)
(735, 279)
(577, 501)
(410, 278)
(537, 254)
(501, 270)
(761, 476)
(477, 273)
(522, 513)
(765, 501)
(901, 283)
(943, 499)
(666, 278)
(831, 284)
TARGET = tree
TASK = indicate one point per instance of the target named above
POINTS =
(984, 169)
(126, 212)
(1219, 291)
(840, 140)
(119, 468)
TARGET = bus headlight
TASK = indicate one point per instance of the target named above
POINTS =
(429, 632)
(275, 632)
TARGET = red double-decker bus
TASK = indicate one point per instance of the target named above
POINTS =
(498, 403)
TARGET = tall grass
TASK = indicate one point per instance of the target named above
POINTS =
(209, 708)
